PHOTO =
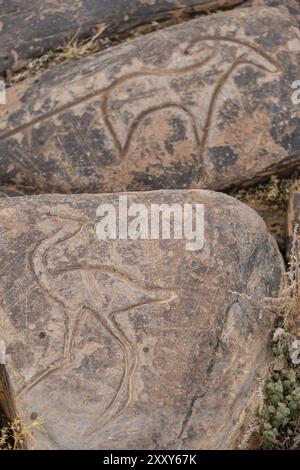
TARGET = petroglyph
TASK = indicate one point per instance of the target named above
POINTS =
(92, 280)
(118, 338)
(201, 115)
(200, 112)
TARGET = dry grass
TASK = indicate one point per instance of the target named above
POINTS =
(274, 194)
(15, 434)
(270, 200)
(71, 50)
(76, 48)
(278, 424)
(292, 293)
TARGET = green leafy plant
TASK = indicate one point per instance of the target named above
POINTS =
(281, 405)
(279, 426)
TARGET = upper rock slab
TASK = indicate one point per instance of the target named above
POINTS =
(205, 104)
(28, 29)
(134, 344)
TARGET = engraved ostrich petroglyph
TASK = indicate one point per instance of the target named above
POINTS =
(101, 290)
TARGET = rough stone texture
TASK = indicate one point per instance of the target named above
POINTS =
(134, 344)
(206, 104)
(293, 6)
(28, 29)
(293, 219)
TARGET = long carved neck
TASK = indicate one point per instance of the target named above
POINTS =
(40, 253)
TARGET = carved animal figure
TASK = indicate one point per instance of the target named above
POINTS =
(136, 96)
(103, 291)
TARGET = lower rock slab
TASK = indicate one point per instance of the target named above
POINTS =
(134, 344)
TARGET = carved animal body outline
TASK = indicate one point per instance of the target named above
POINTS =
(38, 265)
(262, 59)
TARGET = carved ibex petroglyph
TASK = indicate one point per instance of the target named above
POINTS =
(145, 86)
(205, 53)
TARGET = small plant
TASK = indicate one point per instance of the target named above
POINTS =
(72, 49)
(270, 200)
(274, 194)
(281, 407)
(292, 307)
(76, 48)
(15, 434)
(280, 412)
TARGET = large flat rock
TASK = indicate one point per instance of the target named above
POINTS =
(129, 344)
(28, 29)
(205, 104)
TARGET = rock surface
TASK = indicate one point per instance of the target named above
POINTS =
(205, 104)
(127, 344)
(291, 5)
(53, 22)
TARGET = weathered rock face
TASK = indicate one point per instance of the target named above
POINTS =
(134, 343)
(53, 22)
(204, 104)
(291, 5)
